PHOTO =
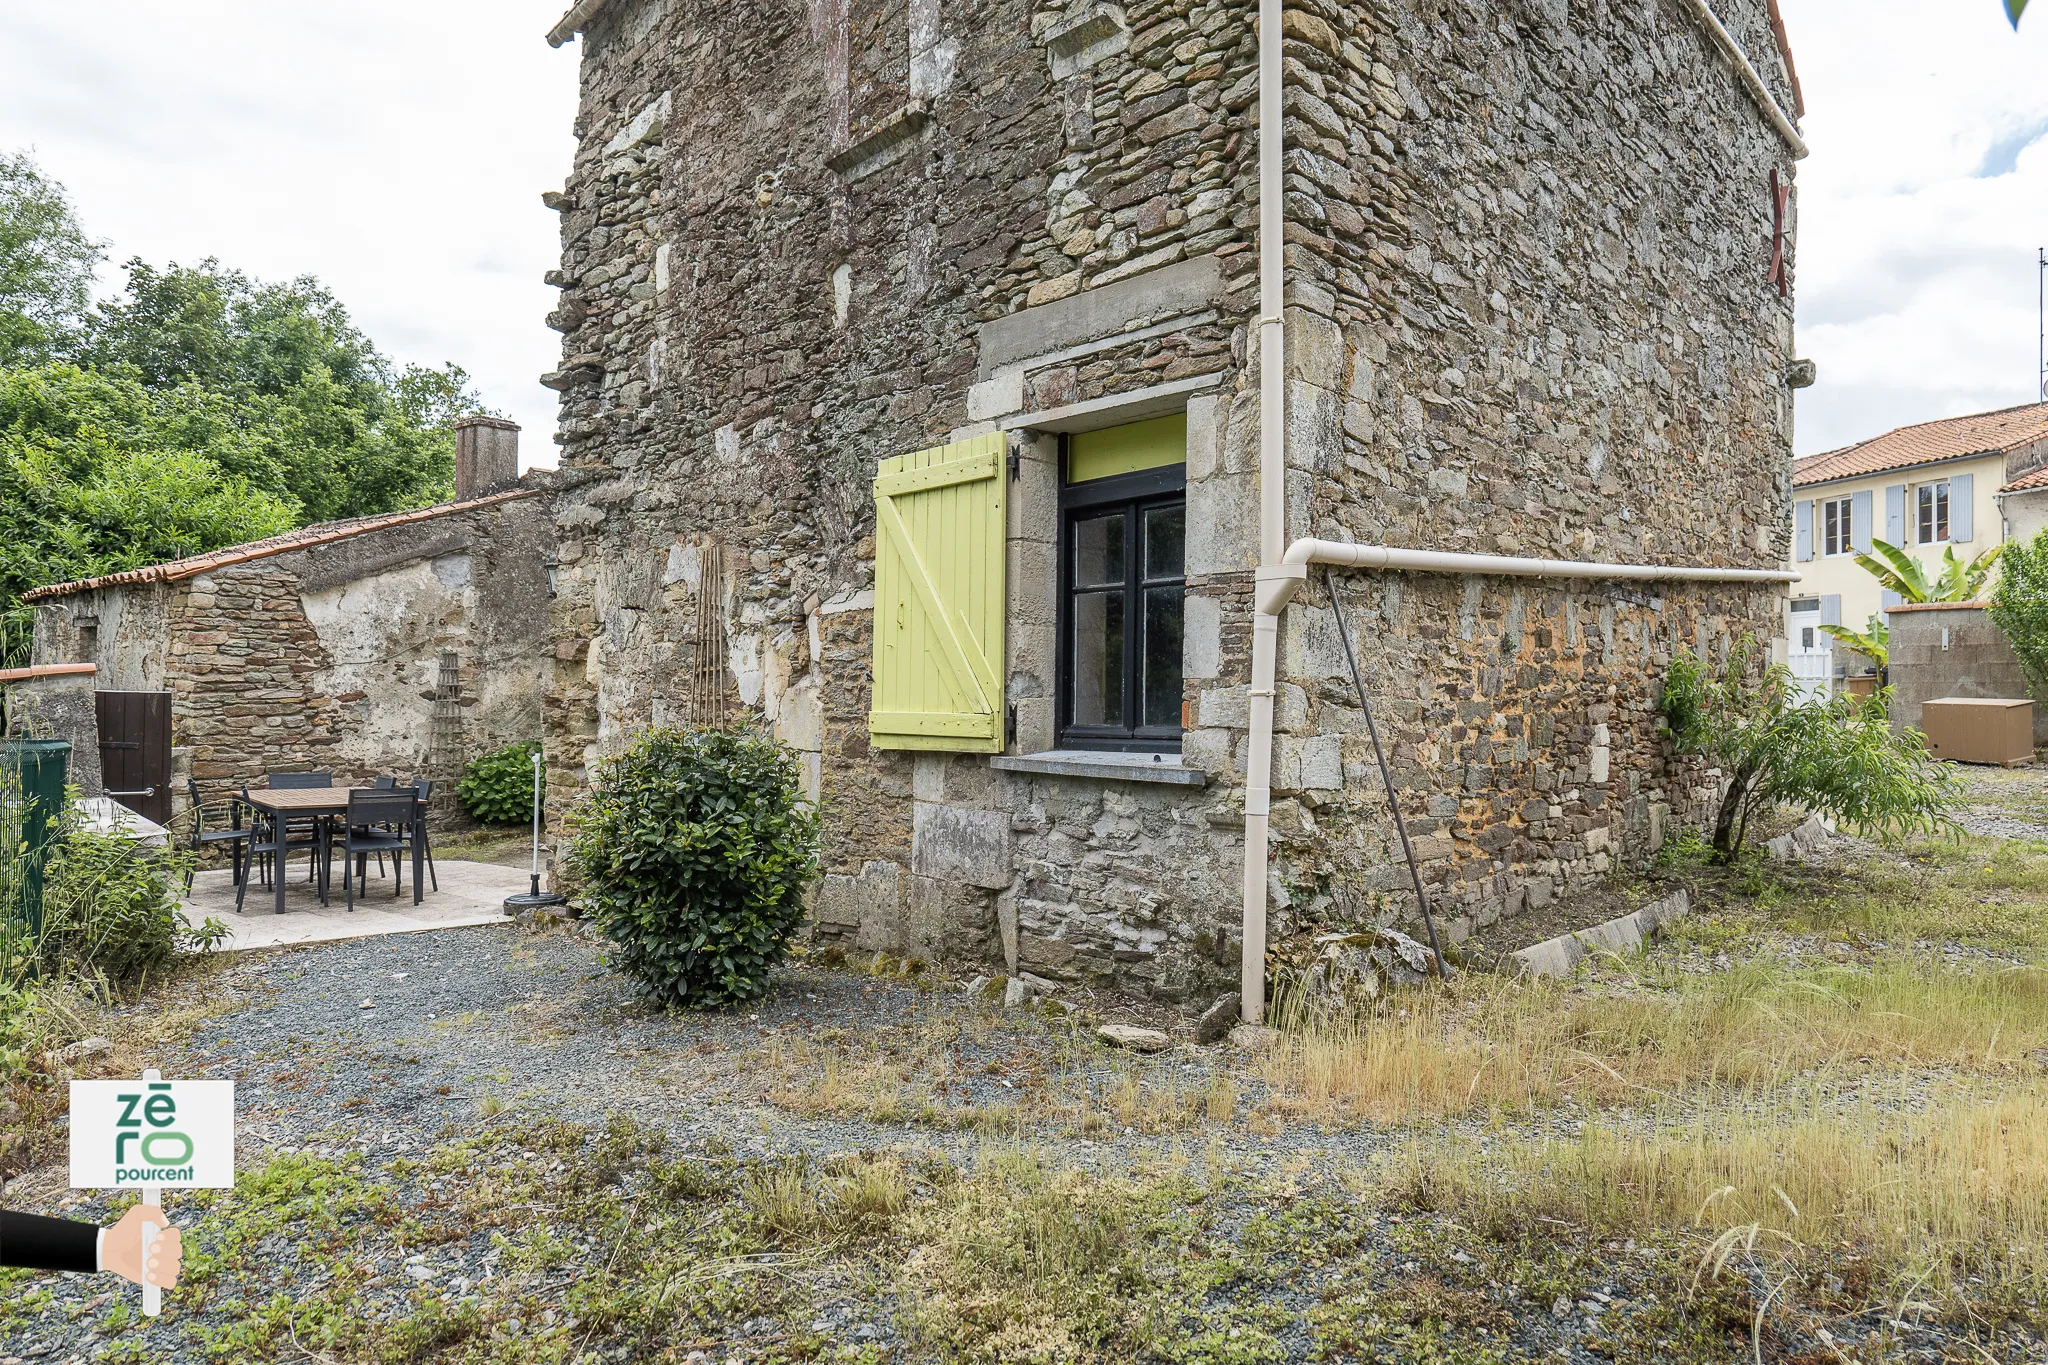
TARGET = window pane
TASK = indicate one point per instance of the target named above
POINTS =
(1099, 551)
(1099, 658)
(1163, 607)
(1941, 512)
(1165, 532)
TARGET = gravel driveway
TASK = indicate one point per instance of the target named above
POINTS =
(452, 1142)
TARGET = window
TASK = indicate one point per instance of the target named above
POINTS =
(1932, 499)
(1123, 532)
(1838, 520)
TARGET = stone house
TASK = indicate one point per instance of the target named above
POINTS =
(399, 644)
(946, 381)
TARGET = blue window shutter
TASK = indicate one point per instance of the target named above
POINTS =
(1864, 524)
(1802, 531)
(1961, 489)
(1831, 609)
(1895, 514)
(1890, 599)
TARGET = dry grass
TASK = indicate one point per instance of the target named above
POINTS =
(1932, 1193)
(1991, 893)
(1490, 1044)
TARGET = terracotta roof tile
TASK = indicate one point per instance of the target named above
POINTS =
(1952, 438)
(305, 538)
(2037, 479)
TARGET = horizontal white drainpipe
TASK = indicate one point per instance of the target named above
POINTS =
(1277, 586)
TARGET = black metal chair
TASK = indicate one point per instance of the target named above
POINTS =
(267, 833)
(298, 827)
(425, 787)
(234, 838)
(368, 829)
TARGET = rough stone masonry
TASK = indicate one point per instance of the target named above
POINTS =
(1531, 311)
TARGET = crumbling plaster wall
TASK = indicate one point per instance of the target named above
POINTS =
(1528, 312)
(123, 630)
(330, 657)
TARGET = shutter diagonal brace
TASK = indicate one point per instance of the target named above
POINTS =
(974, 685)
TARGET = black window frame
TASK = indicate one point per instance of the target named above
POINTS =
(1134, 494)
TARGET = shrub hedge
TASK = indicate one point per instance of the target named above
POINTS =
(693, 851)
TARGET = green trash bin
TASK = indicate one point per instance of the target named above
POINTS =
(33, 771)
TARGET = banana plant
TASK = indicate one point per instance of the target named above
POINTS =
(1959, 581)
(1874, 641)
(2014, 9)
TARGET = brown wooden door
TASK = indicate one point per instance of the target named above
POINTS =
(135, 751)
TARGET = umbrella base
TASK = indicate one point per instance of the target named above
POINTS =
(536, 899)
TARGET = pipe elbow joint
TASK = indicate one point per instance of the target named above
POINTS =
(1277, 585)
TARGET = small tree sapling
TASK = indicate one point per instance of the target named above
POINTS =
(1838, 757)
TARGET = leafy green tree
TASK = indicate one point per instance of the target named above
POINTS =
(99, 475)
(2019, 606)
(1959, 580)
(359, 437)
(199, 408)
(46, 264)
(1837, 757)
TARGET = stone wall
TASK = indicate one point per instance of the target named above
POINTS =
(1952, 649)
(57, 702)
(1528, 309)
(405, 650)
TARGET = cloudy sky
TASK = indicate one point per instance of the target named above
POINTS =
(1921, 210)
(397, 149)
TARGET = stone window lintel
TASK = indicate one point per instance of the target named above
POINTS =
(882, 144)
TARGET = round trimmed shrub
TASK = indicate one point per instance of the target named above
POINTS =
(693, 850)
(497, 789)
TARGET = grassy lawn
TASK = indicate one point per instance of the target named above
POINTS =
(1810, 1125)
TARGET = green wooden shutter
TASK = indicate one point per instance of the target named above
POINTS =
(939, 599)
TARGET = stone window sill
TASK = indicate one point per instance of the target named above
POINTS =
(1106, 767)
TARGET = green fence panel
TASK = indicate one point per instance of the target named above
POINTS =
(33, 771)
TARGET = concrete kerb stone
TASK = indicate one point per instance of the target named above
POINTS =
(1809, 838)
(1560, 956)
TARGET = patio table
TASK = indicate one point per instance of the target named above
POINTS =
(326, 803)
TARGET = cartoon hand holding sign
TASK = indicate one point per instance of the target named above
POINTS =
(149, 1135)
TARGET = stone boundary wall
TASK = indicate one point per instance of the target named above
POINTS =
(1952, 649)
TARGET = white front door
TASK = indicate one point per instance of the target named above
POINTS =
(1813, 652)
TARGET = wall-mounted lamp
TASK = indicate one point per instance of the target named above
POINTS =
(554, 567)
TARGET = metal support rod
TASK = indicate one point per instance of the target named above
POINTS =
(1386, 776)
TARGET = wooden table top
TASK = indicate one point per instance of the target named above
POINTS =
(301, 800)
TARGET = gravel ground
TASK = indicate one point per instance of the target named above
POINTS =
(390, 1049)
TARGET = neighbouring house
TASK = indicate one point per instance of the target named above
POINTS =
(400, 644)
(1924, 488)
(932, 394)
(2023, 499)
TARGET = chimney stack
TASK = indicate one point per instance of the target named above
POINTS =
(486, 456)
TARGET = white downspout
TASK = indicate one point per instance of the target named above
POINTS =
(1272, 502)
(1277, 586)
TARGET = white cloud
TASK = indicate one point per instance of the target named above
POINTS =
(396, 150)
(1920, 210)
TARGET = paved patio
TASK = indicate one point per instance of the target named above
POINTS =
(471, 893)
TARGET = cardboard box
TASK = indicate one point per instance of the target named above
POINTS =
(1979, 730)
